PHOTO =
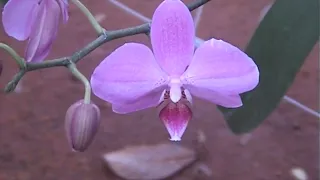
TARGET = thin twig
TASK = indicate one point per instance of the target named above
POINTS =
(73, 69)
(77, 56)
(90, 17)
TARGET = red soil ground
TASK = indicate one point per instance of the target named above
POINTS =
(33, 145)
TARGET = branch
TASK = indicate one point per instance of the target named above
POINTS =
(77, 56)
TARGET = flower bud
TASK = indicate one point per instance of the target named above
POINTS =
(81, 124)
(175, 117)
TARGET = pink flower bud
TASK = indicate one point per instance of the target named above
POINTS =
(175, 117)
(82, 122)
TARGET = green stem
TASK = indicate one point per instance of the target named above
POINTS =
(73, 69)
(14, 55)
(90, 17)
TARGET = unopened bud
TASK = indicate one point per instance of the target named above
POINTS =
(82, 123)
(175, 117)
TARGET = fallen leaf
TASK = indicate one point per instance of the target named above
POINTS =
(149, 162)
(299, 173)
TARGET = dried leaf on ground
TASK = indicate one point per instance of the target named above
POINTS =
(149, 162)
(299, 173)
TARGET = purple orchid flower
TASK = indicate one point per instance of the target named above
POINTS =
(134, 78)
(36, 20)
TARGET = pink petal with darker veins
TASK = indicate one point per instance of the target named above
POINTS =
(149, 100)
(18, 17)
(129, 76)
(219, 72)
(175, 117)
(172, 36)
(44, 31)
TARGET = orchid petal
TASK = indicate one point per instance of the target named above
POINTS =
(226, 100)
(147, 101)
(172, 36)
(221, 68)
(175, 117)
(18, 17)
(44, 31)
(64, 10)
(128, 74)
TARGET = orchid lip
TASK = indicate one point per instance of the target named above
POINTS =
(175, 116)
(175, 138)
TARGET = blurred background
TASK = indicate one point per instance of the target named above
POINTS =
(32, 139)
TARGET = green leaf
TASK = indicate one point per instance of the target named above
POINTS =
(279, 47)
(3, 1)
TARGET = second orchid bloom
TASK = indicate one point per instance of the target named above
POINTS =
(35, 20)
(134, 77)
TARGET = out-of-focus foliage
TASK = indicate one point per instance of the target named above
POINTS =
(279, 47)
(3, 1)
